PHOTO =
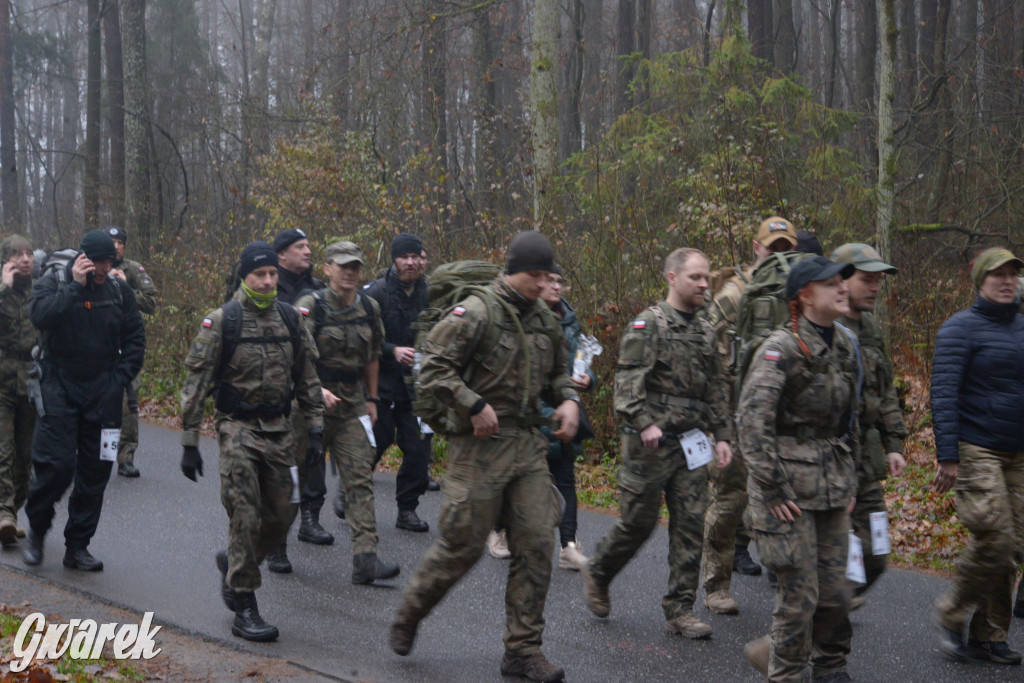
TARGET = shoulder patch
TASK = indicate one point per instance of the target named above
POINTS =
(303, 310)
(141, 269)
(207, 322)
(772, 355)
(639, 324)
(459, 311)
(367, 285)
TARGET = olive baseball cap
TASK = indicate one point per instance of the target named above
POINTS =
(774, 229)
(343, 253)
(989, 260)
(814, 269)
(863, 257)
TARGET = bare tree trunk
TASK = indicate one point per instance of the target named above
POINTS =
(138, 215)
(485, 105)
(433, 47)
(115, 109)
(571, 125)
(625, 45)
(760, 27)
(343, 60)
(94, 64)
(908, 50)
(785, 37)
(834, 19)
(8, 137)
(944, 128)
(687, 22)
(591, 94)
(867, 48)
(544, 104)
(644, 41)
(886, 188)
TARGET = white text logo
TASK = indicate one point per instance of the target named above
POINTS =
(82, 639)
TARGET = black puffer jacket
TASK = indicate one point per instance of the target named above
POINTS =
(399, 311)
(977, 392)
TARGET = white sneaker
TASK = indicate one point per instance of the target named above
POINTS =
(497, 545)
(571, 557)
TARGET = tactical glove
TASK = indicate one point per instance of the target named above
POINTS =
(191, 463)
(315, 449)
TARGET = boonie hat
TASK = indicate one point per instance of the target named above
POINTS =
(342, 253)
(989, 260)
(814, 269)
(774, 229)
(863, 257)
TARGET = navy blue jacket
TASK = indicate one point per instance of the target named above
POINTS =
(977, 390)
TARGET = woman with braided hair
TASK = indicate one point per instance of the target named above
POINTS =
(797, 426)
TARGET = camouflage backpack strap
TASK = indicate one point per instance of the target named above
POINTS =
(860, 377)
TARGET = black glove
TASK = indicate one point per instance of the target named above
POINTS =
(191, 463)
(315, 449)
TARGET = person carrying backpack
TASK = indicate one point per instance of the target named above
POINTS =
(255, 356)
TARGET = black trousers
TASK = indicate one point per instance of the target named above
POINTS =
(66, 450)
(396, 418)
(562, 468)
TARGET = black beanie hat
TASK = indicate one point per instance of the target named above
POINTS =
(287, 238)
(405, 243)
(256, 255)
(98, 246)
(117, 233)
(808, 243)
(530, 250)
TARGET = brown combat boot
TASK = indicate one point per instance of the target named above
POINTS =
(721, 602)
(757, 653)
(535, 667)
(689, 626)
(595, 595)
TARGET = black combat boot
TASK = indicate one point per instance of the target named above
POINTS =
(310, 530)
(744, 564)
(248, 623)
(82, 560)
(127, 469)
(410, 521)
(226, 594)
(367, 568)
(339, 505)
(277, 560)
(32, 553)
(535, 667)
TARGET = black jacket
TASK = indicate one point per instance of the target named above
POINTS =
(291, 286)
(977, 392)
(399, 311)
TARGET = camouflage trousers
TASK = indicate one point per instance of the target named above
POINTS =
(256, 490)
(129, 424)
(810, 622)
(990, 503)
(17, 422)
(723, 526)
(646, 474)
(350, 447)
(506, 476)
(870, 499)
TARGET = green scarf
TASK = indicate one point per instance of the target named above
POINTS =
(260, 301)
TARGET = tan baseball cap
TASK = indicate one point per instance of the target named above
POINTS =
(343, 253)
(774, 229)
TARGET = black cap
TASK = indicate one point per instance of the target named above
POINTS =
(287, 238)
(814, 269)
(530, 250)
(117, 233)
(406, 243)
(808, 243)
(256, 255)
(98, 246)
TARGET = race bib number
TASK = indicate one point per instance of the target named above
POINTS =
(425, 429)
(368, 426)
(697, 448)
(855, 561)
(109, 441)
(880, 544)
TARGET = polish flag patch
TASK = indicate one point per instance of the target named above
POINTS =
(304, 311)
(141, 269)
(639, 324)
(459, 310)
(772, 355)
(207, 322)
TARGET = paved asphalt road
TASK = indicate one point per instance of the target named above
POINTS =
(158, 535)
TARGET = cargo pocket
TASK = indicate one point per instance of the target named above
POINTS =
(772, 536)
(980, 508)
(456, 518)
(802, 465)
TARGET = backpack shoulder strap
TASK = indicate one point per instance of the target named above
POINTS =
(364, 298)
(860, 372)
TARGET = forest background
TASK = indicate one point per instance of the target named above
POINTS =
(620, 128)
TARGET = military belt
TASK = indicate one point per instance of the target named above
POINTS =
(679, 401)
(525, 422)
(332, 376)
(229, 401)
(808, 433)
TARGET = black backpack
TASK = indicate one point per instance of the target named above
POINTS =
(60, 261)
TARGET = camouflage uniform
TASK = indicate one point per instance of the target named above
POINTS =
(145, 296)
(17, 414)
(255, 452)
(723, 525)
(793, 422)
(505, 475)
(347, 343)
(882, 431)
(668, 375)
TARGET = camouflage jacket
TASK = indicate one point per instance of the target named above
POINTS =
(496, 375)
(349, 340)
(881, 419)
(793, 421)
(17, 336)
(262, 373)
(721, 314)
(138, 279)
(670, 375)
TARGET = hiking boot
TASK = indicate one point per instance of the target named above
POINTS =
(743, 563)
(998, 652)
(403, 634)
(535, 667)
(857, 602)
(834, 677)
(497, 545)
(32, 553)
(8, 532)
(248, 623)
(432, 485)
(310, 530)
(721, 602)
(689, 626)
(226, 593)
(571, 557)
(410, 521)
(595, 595)
(82, 560)
(127, 469)
(277, 560)
(367, 568)
(757, 652)
(951, 644)
(339, 505)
